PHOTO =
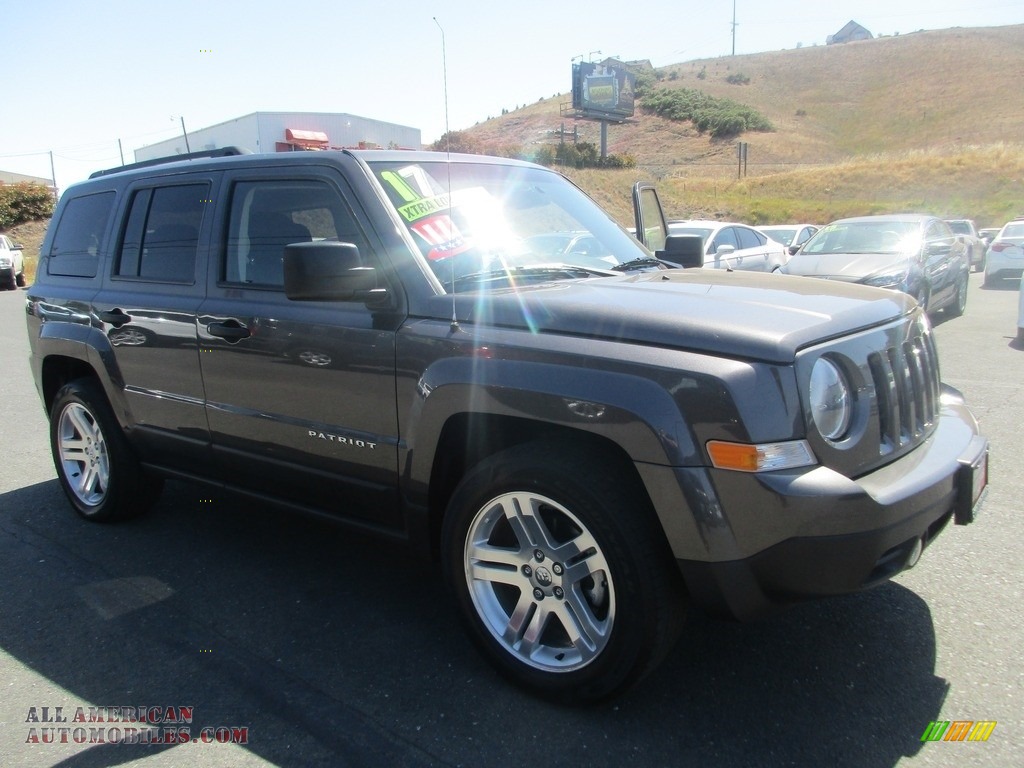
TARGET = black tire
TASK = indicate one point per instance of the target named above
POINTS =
(20, 280)
(960, 300)
(96, 466)
(922, 297)
(543, 542)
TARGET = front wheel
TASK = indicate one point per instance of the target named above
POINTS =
(960, 300)
(560, 572)
(96, 466)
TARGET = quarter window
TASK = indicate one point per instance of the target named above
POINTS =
(75, 251)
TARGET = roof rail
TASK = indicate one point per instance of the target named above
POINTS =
(222, 152)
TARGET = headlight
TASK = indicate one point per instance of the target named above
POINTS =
(888, 280)
(830, 400)
(6, 262)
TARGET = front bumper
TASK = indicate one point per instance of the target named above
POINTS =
(783, 537)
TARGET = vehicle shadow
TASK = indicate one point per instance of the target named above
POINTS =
(335, 649)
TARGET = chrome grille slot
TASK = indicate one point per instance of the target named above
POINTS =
(906, 385)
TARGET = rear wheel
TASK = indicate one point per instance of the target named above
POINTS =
(20, 280)
(560, 572)
(96, 466)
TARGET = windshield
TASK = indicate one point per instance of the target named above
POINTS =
(1012, 231)
(506, 220)
(960, 227)
(784, 236)
(702, 232)
(865, 237)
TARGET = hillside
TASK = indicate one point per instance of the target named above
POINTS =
(929, 120)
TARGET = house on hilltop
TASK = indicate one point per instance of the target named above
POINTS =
(852, 31)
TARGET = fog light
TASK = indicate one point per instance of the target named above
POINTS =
(915, 554)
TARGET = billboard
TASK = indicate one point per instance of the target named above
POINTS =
(604, 90)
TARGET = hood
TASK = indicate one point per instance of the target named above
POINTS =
(852, 267)
(738, 314)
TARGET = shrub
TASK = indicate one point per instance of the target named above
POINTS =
(717, 117)
(737, 78)
(25, 201)
(459, 141)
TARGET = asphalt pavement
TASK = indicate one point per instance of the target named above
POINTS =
(309, 645)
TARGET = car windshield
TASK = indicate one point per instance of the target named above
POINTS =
(1012, 231)
(784, 236)
(889, 236)
(477, 222)
(702, 232)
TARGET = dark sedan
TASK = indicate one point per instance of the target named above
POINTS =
(913, 253)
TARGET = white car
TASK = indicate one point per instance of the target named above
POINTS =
(728, 245)
(1020, 312)
(790, 235)
(1005, 256)
(12, 264)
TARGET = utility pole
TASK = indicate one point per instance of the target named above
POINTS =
(733, 27)
(53, 174)
(185, 133)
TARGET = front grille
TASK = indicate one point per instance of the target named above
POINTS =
(906, 380)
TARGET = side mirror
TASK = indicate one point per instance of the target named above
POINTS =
(725, 250)
(684, 250)
(17, 246)
(793, 249)
(329, 271)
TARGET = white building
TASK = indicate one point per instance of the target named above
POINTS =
(266, 132)
(9, 177)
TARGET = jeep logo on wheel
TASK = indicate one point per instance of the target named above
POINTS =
(543, 576)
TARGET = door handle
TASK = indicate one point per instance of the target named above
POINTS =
(115, 317)
(231, 330)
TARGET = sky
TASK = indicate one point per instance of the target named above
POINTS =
(90, 81)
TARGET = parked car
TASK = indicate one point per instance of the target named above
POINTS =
(728, 245)
(1006, 253)
(12, 264)
(987, 235)
(975, 245)
(790, 235)
(913, 253)
(368, 337)
(1020, 312)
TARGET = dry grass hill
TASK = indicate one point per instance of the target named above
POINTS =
(931, 121)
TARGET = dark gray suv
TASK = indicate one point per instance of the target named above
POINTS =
(588, 440)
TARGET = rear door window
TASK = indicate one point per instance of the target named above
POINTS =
(161, 236)
(748, 238)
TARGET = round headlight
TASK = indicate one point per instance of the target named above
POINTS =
(830, 400)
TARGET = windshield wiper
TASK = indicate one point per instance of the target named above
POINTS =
(570, 270)
(645, 261)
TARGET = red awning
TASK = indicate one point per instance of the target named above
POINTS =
(305, 138)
